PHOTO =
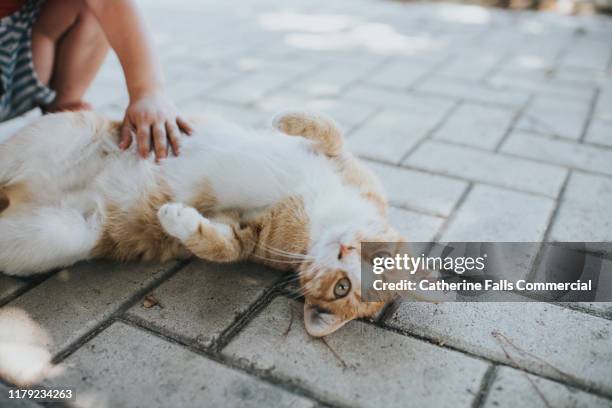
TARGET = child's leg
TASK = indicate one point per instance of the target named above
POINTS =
(45, 238)
(68, 48)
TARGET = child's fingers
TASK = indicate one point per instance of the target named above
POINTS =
(126, 136)
(184, 125)
(159, 141)
(143, 136)
(173, 133)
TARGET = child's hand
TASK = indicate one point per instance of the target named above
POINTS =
(155, 122)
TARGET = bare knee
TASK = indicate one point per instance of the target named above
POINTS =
(56, 17)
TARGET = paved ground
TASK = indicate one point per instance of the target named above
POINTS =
(484, 124)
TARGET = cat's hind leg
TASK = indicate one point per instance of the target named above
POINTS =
(217, 240)
(40, 239)
(319, 128)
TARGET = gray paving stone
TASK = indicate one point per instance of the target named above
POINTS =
(126, 367)
(555, 117)
(75, 300)
(246, 117)
(345, 112)
(585, 211)
(600, 132)
(253, 86)
(603, 107)
(398, 75)
(476, 125)
(559, 152)
(546, 86)
(473, 91)
(9, 286)
(513, 388)
(488, 168)
(392, 133)
(471, 65)
(412, 102)
(198, 81)
(415, 226)
(331, 80)
(372, 368)
(589, 54)
(413, 190)
(521, 218)
(104, 92)
(203, 299)
(578, 344)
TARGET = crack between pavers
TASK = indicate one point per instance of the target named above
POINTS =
(436, 342)
(285, 384)
(549, 226)
(122, 308)
(466, 180)
(241, 321)
(452, 216)
(27, 287)
(355, 128)
(430, 133)
(512, 126)
(590, 115)
(485, 386)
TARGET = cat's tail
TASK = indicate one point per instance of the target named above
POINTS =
(319, 128)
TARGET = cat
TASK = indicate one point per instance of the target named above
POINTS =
(291, 198)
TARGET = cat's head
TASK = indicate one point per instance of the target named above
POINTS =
(331, 280)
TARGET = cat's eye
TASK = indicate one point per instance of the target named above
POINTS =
(342, 288)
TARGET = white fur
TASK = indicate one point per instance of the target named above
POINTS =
(76, 173)
(179, 220)
(24, 355)
(42, 238)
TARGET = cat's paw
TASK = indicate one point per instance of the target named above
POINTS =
(180, 221)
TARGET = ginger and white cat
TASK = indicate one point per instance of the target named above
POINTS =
(67, 193)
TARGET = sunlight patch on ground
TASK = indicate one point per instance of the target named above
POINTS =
(314, 23)
(375, 37)
(464, 14)
(326, 32)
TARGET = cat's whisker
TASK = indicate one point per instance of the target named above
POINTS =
(277, 260)
(287, 254)
(279, 251)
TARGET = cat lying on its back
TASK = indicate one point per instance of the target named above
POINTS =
(67, 193)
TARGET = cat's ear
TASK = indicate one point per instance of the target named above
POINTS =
(319, 323)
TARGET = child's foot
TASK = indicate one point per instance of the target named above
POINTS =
(66, 107)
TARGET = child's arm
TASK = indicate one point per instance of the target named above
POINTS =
(150, 114)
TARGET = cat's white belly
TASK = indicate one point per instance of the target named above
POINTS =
(242, 170)
(80, 167)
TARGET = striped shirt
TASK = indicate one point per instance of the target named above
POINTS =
(20, 88)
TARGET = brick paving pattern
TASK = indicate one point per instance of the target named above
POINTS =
(483, 124)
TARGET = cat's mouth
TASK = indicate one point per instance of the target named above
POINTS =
(320, 322)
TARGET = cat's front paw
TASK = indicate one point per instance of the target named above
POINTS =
(180, 221)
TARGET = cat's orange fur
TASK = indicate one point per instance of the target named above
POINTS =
(276, 237)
